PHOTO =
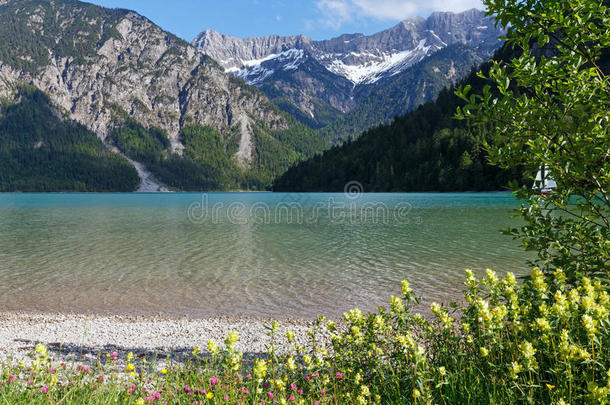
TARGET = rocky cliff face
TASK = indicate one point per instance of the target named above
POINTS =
(233, 52)
(101, 65)
(350, 66)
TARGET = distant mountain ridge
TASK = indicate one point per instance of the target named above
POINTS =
(320, 80)
(359, 58)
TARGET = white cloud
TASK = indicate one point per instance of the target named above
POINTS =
(337, 12)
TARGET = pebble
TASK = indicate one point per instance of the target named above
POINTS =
(85, 338)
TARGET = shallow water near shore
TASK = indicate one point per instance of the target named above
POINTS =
(269, 255)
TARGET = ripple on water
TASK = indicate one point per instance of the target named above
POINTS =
(125, 253)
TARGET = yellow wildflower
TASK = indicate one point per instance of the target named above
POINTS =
(515, 369)
(527, 349)
(259, 369)
(542, 325)
(560, 277)
(510, 279)
(212, 347)
(290, 363)
(471, 280)
(406, 288)
(232, 337)
(396, 304)
(590, 325)
(41, 349)
(491, 277)
(538, 281)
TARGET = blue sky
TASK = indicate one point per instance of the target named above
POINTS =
(319, 19)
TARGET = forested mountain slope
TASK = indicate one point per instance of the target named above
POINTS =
(424, 150)
(41, 151)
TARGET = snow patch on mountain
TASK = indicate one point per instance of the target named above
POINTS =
(372, 68)
(257, 71)
(291, 59)
(387, 64)
(250, 63)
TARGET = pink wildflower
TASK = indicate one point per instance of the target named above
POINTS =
(214, 381)
(339, 375)
(270, 395)
(44, 390)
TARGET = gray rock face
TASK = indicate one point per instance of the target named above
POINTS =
(351, 64)
(127, 65)
(233, 52)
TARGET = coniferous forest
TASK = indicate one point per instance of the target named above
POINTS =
(42, 151)
(424, 150)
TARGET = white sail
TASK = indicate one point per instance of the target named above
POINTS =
(544, 181)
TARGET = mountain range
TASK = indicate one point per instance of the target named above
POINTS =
(322, 81)
(81, 83)
(138, 88)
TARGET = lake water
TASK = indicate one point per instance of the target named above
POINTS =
(245, 254)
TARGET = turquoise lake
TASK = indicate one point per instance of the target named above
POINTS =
(245, 254)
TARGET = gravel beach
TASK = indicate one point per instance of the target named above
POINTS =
(85, 338)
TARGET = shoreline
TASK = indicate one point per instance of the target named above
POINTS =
(86, 338)
(169, 192)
